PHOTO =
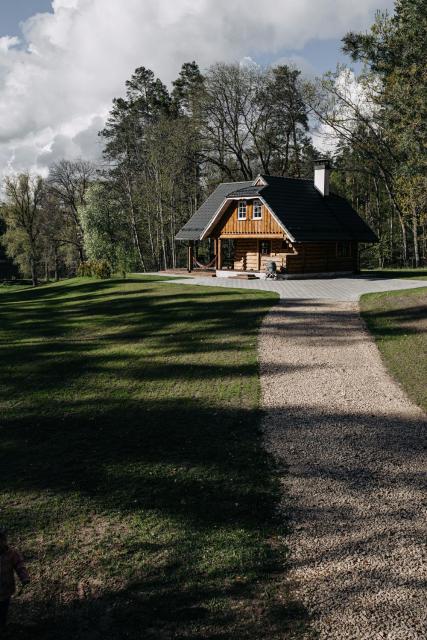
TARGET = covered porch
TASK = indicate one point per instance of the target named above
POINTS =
(231, 257)
(242, 255)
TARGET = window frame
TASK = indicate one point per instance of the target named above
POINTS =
(268, 243)
(242, 203)
(344, 249)
(257, 203)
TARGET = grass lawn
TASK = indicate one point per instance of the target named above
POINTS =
(131, 469)
(9, 287)
(398, 320)
(412, 274)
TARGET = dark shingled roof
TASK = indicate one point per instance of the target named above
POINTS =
(194, 228)
(304, 212)
(246, 192)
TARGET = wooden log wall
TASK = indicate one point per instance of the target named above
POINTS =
(297, 258)
(320, 257)
(248, 256)
(280, 252)
(231, 226)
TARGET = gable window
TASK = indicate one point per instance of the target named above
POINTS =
(343, 249)
(257, 210)
(241, 212)
(265, 247)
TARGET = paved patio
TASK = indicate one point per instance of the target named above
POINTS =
(338, 289)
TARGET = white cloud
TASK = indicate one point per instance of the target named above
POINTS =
(7, 42)
(356, 98)
(57, 84)
(248, 63)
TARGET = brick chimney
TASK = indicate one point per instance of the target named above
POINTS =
(322, 170)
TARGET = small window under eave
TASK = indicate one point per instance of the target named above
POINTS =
(241, 210)
(257, 210)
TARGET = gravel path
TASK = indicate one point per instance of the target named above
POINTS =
(350, 447)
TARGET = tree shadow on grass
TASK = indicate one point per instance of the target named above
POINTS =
(396, 322)
(137, 483)
(182, 466)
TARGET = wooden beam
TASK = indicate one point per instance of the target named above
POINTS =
(216, 244)
(254, 236)
(219, 254)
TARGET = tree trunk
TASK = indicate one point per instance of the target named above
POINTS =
(415, 237)
(33, 266)
(55, 257)
(134, 225)
(137, 242)
(81, 253)
(172, 234)
(297, 162)
(162, 234)
(286, 167)
(401, 220)
(404, 240)
(150, 235)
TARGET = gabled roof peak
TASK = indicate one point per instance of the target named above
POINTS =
(260, 181)
(269, 178)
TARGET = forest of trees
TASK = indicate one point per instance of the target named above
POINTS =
(166, 149)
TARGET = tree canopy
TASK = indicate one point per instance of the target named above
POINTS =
(166, 148)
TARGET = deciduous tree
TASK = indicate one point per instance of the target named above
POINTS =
(23, 214)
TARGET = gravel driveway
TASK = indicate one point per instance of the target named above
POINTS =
(349, 445)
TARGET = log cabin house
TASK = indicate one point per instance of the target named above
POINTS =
(297, 223)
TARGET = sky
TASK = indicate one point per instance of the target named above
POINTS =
(63, 61)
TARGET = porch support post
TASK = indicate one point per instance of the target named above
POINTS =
(219, 254)
(216, 246)
(258, 244)
(190, 256)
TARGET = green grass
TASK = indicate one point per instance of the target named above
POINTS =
(398, 321)
(390, 272)
(131, 468)
(10, 286)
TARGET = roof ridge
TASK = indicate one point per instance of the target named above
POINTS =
(235, 182)
(288, 178)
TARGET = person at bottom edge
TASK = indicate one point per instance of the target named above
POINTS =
(11, 562)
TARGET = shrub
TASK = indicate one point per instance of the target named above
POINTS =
(95, 268)
(125, 260)
(84, 269)
(101, 269)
